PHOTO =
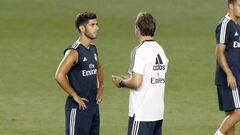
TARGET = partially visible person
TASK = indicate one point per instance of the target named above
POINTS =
(146, 81)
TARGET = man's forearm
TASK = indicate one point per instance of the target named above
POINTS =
(64, 83)
(130, 83)
(100, 77)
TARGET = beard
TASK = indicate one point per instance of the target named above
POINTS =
(90, 36)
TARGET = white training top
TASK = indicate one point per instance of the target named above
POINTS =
(147, 102)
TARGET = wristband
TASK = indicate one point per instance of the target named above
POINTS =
(121, 84)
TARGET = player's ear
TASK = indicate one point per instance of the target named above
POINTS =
(136, 27)
(82, 28)
(230, 6)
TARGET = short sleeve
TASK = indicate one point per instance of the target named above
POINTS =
(139, 63)
(222, 33)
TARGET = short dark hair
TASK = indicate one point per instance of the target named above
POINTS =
(146, 23)
(83, 18)
(231, 2)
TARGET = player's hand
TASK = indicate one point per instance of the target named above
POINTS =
(116, 80)
(231, 81)
(124, 77)
(99, 95)
(81, 102)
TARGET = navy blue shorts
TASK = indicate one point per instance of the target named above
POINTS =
(82, 122)
(228, 99)
(144, 128)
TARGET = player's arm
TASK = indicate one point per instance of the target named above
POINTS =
(133, 82)
(100, 82)
(69, 59)
(221, 59)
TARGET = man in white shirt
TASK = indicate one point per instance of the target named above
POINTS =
(146, 81)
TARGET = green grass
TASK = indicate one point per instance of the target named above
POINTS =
(34, 34)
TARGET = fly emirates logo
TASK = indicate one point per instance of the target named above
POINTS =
(92, 71)
(236, 44)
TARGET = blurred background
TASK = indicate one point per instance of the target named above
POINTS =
(34, 33)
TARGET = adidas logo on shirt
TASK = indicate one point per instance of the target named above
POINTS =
(158, 64)
(84, 59)
(236, 34)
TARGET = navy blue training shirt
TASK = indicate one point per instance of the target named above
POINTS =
(83, 75)
(228, 33)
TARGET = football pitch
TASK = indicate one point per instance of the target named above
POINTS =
(34, 33)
